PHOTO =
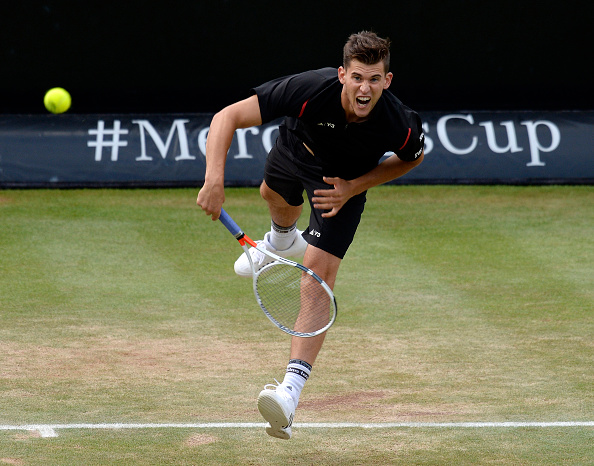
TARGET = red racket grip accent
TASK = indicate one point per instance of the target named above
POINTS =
(234, 229)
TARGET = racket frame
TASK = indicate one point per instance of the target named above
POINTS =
(244, 240)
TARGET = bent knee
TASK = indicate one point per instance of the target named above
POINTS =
(271, 196)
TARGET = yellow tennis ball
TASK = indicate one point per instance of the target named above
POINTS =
(57, 100)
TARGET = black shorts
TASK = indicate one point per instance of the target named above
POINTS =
(289, 177)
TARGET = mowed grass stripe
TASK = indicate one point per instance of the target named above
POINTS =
(456, 305)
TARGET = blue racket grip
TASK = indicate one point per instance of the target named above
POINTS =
(230, 224)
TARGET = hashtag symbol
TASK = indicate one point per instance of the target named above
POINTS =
(99, 143)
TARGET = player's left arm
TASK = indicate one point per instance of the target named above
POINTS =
(333, 199)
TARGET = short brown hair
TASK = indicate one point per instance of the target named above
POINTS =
(368, 48)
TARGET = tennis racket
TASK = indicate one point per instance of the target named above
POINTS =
(292, 296)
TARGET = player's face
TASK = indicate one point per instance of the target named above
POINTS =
(362, 87)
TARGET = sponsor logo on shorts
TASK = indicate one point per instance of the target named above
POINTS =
(315, 233)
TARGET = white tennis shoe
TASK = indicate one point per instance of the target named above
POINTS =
(276, 405)
(242, 265)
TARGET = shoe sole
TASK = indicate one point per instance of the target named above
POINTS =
(282, 434)
(273, 412)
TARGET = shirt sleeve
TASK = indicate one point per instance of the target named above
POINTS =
(286, 96)
(414, 142)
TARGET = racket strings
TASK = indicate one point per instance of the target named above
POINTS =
(293, 298)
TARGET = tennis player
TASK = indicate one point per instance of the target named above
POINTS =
(338, 124)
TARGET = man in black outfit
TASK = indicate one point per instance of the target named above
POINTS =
(338, 125)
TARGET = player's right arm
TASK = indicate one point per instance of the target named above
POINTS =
(242, 114)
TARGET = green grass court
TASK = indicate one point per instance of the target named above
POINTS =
(455, 304)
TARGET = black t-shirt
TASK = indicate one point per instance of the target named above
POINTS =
(311, 105)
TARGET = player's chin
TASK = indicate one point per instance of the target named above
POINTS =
(363, 110)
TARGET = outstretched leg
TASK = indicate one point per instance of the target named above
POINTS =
(325, 265)
(277, 404)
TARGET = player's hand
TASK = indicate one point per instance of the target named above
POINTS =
(332, 199)
(211, 199)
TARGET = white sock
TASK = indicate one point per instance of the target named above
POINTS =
(298, 372)
(282, 238)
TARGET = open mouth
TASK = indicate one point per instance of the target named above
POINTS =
(363, 101)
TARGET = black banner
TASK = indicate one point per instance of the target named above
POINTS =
(168, 150)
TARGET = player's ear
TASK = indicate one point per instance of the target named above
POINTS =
(341, 74)
(389, 77)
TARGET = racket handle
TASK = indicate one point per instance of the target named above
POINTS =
(230, 224)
